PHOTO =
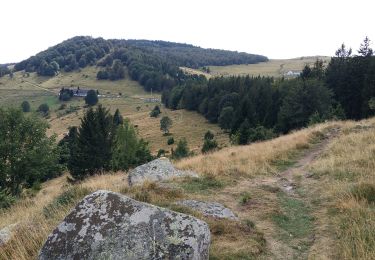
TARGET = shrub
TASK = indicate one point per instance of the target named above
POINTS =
(209, 142)
(165, 124)
(260, 133)
(6, 200)
(43, 108)
(182, 149)
(155, 112)
(25, 106)
(245, 197)
(91, 98)
(170, 141)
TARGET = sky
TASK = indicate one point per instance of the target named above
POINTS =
(274, 28)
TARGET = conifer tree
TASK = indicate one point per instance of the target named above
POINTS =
(117, 118)
(91, 152)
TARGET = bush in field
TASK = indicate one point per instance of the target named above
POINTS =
(91, 98)
(165, 124)
(155, 112)
(209, 142)
(170, 141)
(182, 149)
(25, 106)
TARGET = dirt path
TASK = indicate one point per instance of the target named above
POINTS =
(291, 232)
(282, 206)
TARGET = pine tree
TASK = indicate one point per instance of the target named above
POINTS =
(117, 118)
(25, 106)
(182, 149)
(364, 49)
(244, 132)
(92, 150)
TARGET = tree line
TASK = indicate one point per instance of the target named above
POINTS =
(256, 108)
(154, 64)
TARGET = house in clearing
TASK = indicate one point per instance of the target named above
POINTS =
(80, 92)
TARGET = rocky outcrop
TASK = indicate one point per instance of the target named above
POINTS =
(6, 233)
(209, 209)
(108, 225)
(156, 170)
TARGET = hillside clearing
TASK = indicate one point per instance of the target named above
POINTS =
(126, 95)
(273, 68)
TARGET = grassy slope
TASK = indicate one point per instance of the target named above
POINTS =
(340, 223)
(274, 68)
(39, 90)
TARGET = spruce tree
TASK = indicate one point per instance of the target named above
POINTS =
(117, 118)
(91, 152)
(244, 132)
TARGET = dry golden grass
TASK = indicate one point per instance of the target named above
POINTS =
(251, 160)
(346, 172)
(348, 163)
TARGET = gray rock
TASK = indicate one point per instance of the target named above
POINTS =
(108, 225)
(209, 209)
(156, 170)
(6, 233)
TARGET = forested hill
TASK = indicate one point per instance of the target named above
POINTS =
(193, 57)
(81, 51)
(154, 64)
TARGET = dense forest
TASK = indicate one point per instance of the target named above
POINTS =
(255, 108)
(149, 62)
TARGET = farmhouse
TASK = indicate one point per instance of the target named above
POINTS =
(80, 92)
(292, 73)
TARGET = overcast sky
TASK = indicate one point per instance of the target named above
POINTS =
(275, 28)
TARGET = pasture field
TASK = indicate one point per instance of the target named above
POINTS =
(126, 95)
(274, 68)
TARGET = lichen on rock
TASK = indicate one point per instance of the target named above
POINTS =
(209, 209)
(156, 170)
(108, 225)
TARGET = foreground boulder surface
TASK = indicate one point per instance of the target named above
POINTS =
(156, 170)
(108, 225)
(209, 209)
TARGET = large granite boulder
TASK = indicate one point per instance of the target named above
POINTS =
(209, 209)
(156, 170)
(108, 225)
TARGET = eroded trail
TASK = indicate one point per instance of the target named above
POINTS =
(284, 207)
(292, 230)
